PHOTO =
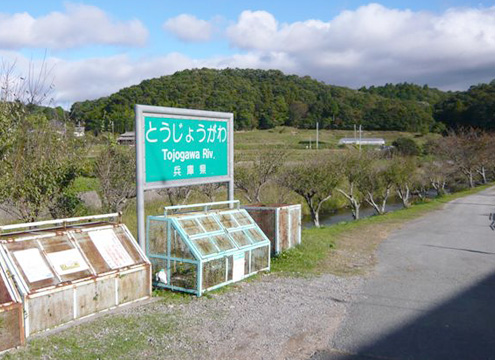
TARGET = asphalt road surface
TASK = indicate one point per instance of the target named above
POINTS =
(432, 294)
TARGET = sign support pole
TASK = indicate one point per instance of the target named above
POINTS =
(148, 133)
(140, 176)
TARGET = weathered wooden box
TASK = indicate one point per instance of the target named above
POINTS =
(70, 272)
(11, 320)
(280, 223)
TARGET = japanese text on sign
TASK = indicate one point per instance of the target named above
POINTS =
(178, 149)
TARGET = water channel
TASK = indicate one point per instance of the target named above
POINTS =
(345, 214)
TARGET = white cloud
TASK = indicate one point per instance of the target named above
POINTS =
(189, 28)
(374, 44)
(371, 45)
(79, 25)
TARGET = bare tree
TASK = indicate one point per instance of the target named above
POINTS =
(177, 195)
(315, 180)
(211, 190)
(462, 149)
(252, 178)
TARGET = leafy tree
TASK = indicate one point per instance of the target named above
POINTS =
(115, 167)
(376, 184)
(406, 146)
(354, 166)
(401, 172)
(252, 178)
(315, 180)
(41, 165)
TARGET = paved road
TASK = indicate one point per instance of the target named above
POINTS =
(432, 295)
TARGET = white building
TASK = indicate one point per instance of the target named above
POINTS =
(362, 141)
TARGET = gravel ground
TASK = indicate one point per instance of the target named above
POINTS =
(271, 318)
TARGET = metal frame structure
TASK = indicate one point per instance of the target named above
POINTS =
(145, 110)
(64, 297)
(175, 223)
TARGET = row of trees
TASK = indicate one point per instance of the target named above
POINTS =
(373, 177)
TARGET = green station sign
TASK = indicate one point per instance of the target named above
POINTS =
(180, 149)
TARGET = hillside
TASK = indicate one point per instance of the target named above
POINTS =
(263, 99)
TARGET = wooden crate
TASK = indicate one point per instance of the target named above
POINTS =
(280, 223)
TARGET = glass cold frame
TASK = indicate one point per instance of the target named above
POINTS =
(205, 246)
(240, 238)
(228, 221)
(242, 219)
(223, 242)
(256, 235)
(190, 226)
(209, 223)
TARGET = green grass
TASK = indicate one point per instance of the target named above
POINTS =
(116, 336)
(348, 248)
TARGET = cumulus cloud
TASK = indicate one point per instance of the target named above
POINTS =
(374, 44)
(189, 28)
(371, 45)
(79, 25)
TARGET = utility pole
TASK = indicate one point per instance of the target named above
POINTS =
(360, 137)
(317, 126)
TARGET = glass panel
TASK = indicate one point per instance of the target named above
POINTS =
(178, 248)
(230, 267)
(227, 220)
(4, 293)
(205, 246)
(191, 227)
(91, 252)
(56, 243)
(259, 258)
(65, 258)
(256, 235)
(240, 238)
(183, 275)
(242, 219)
(247, 261)
(157, 237)
(223, 242)
(213, 273)
(209, 223)
(126, 242)
(32, 264)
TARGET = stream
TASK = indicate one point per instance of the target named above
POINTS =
(345, 214)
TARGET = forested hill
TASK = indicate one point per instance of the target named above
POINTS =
(263, 99)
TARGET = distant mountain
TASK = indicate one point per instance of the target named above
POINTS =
(267, 98)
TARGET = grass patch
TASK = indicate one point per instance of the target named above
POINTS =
(116, 336)
(349, 248)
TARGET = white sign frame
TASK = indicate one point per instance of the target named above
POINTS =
(176, 113)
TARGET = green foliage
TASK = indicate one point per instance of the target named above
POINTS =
(472, 108)
(40, 165)
(263, 99)
(406, 146)
(115, 168)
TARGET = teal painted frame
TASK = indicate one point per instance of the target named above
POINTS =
(199, 259)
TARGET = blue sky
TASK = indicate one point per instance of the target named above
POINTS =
(94, 48)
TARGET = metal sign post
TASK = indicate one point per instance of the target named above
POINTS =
(181, 147)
